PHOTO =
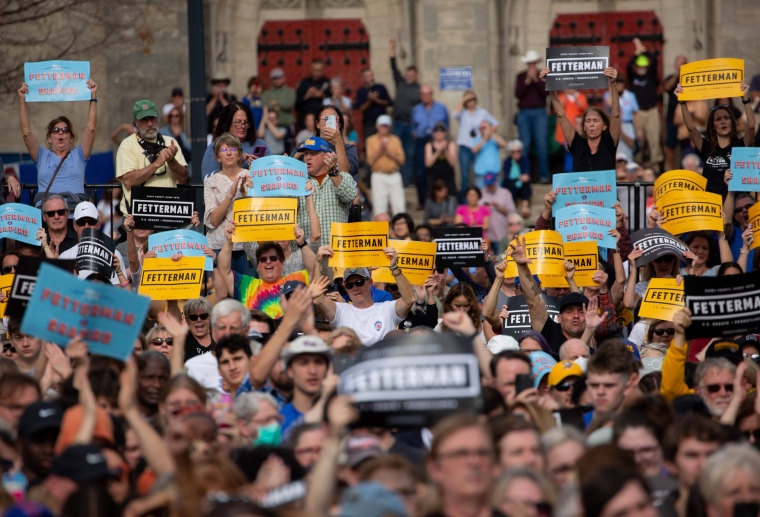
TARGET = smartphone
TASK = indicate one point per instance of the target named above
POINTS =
(259, 151)
(523, 381)
(331, 121)
(746, 509)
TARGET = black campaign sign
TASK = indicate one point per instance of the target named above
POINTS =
(655, 243)
(156, 208)
(458, 247)
(518, 322)
(25, 282)
(723, 306)
(577, 68)
(412, 381)
(95, 252)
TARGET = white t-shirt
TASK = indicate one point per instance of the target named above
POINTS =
(370, 324)
(204, 369)
(71, 254)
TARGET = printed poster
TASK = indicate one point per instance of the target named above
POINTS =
(723, 306)
(688, 211)
(278, 176)
(458, 247)
(159, 209)
(754, 223)
(107, 318)
(586, 223)
(662, 299)
(359, 244)
(455, 78)
(596, 188)
(656, 242)
(20, 222)
(54, 81)
(95, 252)
(545, 250)
(264, 219)
(519, 321)
(577, 68)
(6, 281)
(25, 281)
(416, 260)
(678, 179)
(745, 166)
(712, 79)
(165, 279)
(585, 256)
(188, 242)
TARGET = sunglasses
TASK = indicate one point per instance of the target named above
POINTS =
(9, 268)
(269, 258)
(7, 347)
(755, 433)
(196, 317)
(715, 388)
(357, 283)
(739, 209)
(563, 386)
(158, 341)
(59, 213)
(662, 332)
(664, 258)
(86, 221)
(754, 357)
(57, 130)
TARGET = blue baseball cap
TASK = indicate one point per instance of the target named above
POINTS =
(315, 144)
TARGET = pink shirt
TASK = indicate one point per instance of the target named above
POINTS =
(473, 217)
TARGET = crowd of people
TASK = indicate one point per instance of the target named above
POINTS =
(230, 403)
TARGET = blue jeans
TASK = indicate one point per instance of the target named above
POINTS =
(533, 126)
(466, 159)
(403, 130)
(422, 188)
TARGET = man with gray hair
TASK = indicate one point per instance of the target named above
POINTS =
(258, 419)
(714, 382)
(227, 317)
(55, 215)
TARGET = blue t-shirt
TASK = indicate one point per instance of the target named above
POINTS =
(488, 159)
(291, 418)
(71, 176)
(628, 105)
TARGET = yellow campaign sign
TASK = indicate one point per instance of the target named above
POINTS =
(689, 211)
(585, 256)
(359, 244)
(712, 79)
(678, 179)
(754, 223)
(416, 260)
(6, 281)
(663, 298)
(264, 219)
(165, 279)
(545, 250)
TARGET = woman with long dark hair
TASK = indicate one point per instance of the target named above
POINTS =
(235, 118)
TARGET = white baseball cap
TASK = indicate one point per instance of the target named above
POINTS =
(85, 209)
(384, 120)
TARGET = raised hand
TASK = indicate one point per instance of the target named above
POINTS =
(682, 320)
(517, 251)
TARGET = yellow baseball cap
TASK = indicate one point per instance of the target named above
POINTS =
(562, 370)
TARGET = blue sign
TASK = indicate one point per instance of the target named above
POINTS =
(63, 307)
(596, 188)
(187, 242)
(586, 223)
(278, 176)
(52, 81)
(455, 78)
(20, 223)
(745, 169)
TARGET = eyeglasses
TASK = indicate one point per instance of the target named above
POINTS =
(241, 123)
(59, 213)
(739, 209)
(715, 388)
(268, 258)
(86, 221)
(158, 341)
(563, 386)
(308, 450)
(7, 269)
(357, 283)
(662, 332)
(228, 150)
(196, 317)
(63, 130)
(462, 454)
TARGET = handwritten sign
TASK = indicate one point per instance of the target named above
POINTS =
(20, 223)
(458, 247)
(595, 188)
(712, 79)
(585, 257)
(745, 166)
(52, 81)
(278, 176)
(579, 68)
(158, 209)
(662, 299)
(678, 179)
(416, 260)
(107, 318)
(165, 279)
(586, 223)
(6, 281)
(264, 219)
(545, 250)
(359, 244)
(187, 242)
(688, 211)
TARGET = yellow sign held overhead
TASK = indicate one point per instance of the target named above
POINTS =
(165, 279)
(544, 248)
(712, 79)
(264, 219)
(678, 179)
(662, 299)
(754, 223)
(416, 260)
(689, 211)
(359, 244)
(6, 281)
(585, 256)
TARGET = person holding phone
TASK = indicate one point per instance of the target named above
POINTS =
(235, 118)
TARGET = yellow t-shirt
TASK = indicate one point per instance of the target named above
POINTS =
(385, 163)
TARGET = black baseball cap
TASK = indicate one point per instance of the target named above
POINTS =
(291, 285)
(725, 348)
(571, 299)
(82, 464)
(40, 416)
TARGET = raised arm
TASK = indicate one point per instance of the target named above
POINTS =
(536, 307)
(615, 121)
(618, 286)
(747, 237)
(749, 134)
(178, 330)
(403, 304)
(32, 145)
(673, 373)
(224, 261)
(88, 137)
(306, 252)
(325, 303)
(688, 120)
(489, 304)
(568, 129)
(630, 297)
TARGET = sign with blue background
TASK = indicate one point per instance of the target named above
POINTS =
(596, 188)
(586, 223)
(107, 318)
(187, 242)
(745, 169)
(455, 78)
(53, 81)
(20, 223)
(278, 176)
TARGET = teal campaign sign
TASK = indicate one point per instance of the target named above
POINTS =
(745, 169)
(20, 223)
(586, 223)
(596, 188)
(187, 242)
(52, 81)
(278, 176)
(63, 307)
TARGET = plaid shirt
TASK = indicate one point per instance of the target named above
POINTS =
(331, 203)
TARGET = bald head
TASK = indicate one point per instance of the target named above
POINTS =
(572, 349)
(426, 95)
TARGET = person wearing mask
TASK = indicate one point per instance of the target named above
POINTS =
(258, 419)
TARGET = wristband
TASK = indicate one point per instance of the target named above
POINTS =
(125, 284)
(93, 100)
(302, 245)
(747, 101)
(394, 267)
(396, 272)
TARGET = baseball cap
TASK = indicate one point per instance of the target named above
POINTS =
(276, 73)
(144, 109)
(315, 144)
(306, 345)
(541, 364)
(725, 348)
(40, 416)
(360, 271)
(632, 348)
(562, 370)
(621, 157)
(291, 285)
(571, 299)
(72, 421)
(490, 178)
(642, 60)
(370, 499)
(501, 343)
(85, 209)
(360, 448)
(82, 464)
(748, 340)
(384, 120)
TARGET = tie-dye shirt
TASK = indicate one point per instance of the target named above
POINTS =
(256, 294)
